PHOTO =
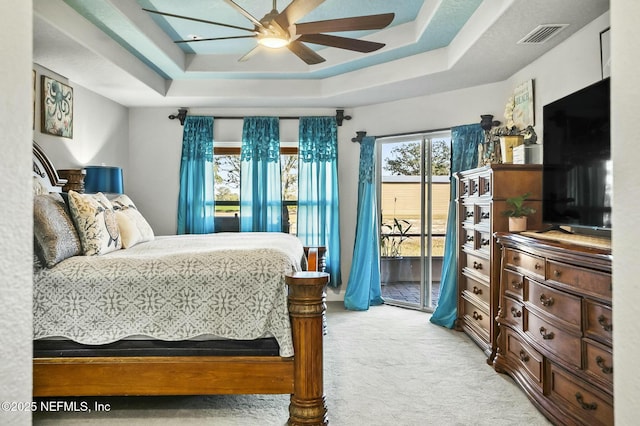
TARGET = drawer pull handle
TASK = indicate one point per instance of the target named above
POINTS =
(585, 406)
(469, 214)
(546, 336)
(516, 284)
(469, 238)
(556, 273)
(537, 266)
(601, 363)
(606, 326)
(477, 265)
(523, 356)
(516, 313)
(477, 290)
(477, 316)
(546, 301)
(485, 241)
(485, 215)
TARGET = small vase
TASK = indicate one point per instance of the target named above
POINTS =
(517, 224)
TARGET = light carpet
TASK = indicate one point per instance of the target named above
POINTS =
(385, 366)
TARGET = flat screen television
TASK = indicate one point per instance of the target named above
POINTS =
(577, 170)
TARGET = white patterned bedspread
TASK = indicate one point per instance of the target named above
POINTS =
(230, 285)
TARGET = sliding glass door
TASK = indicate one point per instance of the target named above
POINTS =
(413, 184)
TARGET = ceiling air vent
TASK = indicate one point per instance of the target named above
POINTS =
(542, 33)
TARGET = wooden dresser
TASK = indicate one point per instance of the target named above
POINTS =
(481, 200)
(555, 323)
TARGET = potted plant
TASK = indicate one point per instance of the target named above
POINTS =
(518, 212)
(391, 238)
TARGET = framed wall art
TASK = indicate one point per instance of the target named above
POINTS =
(57, 108)
(523, 105)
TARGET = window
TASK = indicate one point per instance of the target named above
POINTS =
(227, 187)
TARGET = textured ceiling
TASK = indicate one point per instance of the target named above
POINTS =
(118, 50)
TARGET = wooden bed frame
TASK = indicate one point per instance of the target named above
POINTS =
(301, 376)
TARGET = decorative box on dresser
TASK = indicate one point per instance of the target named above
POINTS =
(482, 194)
(555, 321)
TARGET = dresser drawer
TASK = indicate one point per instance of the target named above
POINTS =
(477, 317)
(514, 284)
(587, 281)
(530, 264)
(484, 241)
(556, 340)
(590, 405)
(512, 313)
(477, 265)
(484, 185)
(476, 288)
(470, 186)
(469, 214)
(484, 214)
(560, 305)
(524, 355)
(598, 361)
(468, 238)
(598, 321)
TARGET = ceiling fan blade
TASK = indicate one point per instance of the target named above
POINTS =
(342, 42)
(246, 14)
(296, 10)
(249, 54)
(305, 53)
(193, 40)
(199, 20)
(370, 22)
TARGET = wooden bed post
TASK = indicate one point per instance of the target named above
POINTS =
(306, 308)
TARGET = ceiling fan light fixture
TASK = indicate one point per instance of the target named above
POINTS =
(273, 41)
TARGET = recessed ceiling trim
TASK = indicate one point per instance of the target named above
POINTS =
(542, 33)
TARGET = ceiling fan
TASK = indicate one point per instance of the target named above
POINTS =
(279, 29)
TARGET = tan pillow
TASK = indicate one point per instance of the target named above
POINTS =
(96, 223)
(134, 228)
(38, 187)
(55, 237)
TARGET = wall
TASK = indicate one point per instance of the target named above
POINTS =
(16, 222)
(100, 130)
(571, 66)
(625, 128)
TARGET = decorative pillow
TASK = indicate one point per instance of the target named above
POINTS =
(96, 223)
(133, 226)
(55, 237)
(38, 187)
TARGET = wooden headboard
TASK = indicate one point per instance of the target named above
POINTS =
(44, 170)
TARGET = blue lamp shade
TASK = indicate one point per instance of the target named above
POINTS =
(103, 179)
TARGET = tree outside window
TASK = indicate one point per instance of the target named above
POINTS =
(227, 184)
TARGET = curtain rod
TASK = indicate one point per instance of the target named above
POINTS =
(361, 134)
(182, 115)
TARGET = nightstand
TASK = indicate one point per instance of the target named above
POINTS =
(75, 179)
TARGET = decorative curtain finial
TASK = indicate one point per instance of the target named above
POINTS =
(182, 115)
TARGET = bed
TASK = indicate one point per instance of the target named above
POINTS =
(250, 321)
